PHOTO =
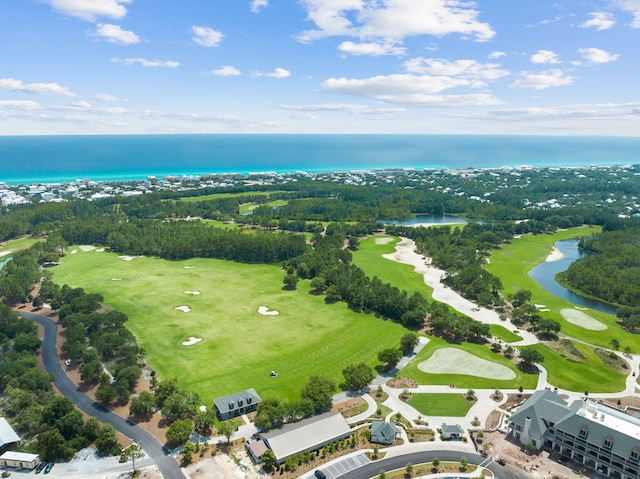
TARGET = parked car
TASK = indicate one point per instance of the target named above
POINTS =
(319, 474)
(48, 467)
(40, 467)
(501, 462)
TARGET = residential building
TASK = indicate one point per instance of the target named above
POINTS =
(237, 404)
(21, 460)
(383, 432)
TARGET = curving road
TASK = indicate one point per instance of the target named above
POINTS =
(399, 462)
(152, 447)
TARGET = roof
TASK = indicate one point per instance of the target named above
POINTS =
(383, 428)
(542, 407)
(257, 447)
(452, 429)
(306, 434)
(19, 456)
(7, 434)
(237, 400)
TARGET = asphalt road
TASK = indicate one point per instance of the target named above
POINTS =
(373, 469)
(151, 446)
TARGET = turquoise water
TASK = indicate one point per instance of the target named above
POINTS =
(431, 219)
(28, 159)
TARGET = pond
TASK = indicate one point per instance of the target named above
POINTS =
(4, 260)
(544, 274)
(428, 219)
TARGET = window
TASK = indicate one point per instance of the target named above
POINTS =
(608, 444)
(635, 455)
(584, 432)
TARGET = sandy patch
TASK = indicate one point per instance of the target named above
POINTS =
(583, 320)
(581, 308)
(116, 279)
(128, 258)
(5, 253)
(555, 255)
(99, 250)
(457, 361)
(544, 310)
(264, 311)
(86, 248)
(540, 306)
(191, 341)
(385, 240)
(189, 267)
(221, 466)
(185, 309)
(193, 293)
(203, 408)
(74, 251)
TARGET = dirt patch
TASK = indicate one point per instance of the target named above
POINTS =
(494, 419)
(401, 383)
(351, 407)
(514, 400)
(566, 349)
(625, 402)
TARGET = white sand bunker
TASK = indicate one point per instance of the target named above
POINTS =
(191, 341)
(264, 311)
(385, 240)
(193, 293)
(457, 361)
(100, 250)
(74, 251)
(116, 279)
(129, 258)
(5, 253)
(86, 248)
(189, 267)
(185, 309)
(583, 320)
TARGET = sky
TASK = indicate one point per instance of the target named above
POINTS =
(516, 67)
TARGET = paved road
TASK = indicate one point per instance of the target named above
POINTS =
(152, 447)
(399, 462)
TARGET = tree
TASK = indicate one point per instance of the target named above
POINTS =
(27, 342)
(91, 371)
(436, 462)
(132, 452)
(319, 390)
(107, 442)
(164, 389)
(408, 342)
(318, 284)
(528, 358)
(291, 281)
(409, 470)
(269, 459)
(203, 422)
(520, 297)
(187, 452)
(142, 405)
(390, 357)
(615, 344)
(105, 392)
(464, 462)
(179, 432)
(226, 429)
(357, 376)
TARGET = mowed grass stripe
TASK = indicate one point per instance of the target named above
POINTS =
(240, 347)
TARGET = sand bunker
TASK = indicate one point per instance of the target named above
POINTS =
(539, 306)
(116, 279)
(4, 253)
(583, 320)
(385, 240)
(457, 361)
(263, 310)
(543, 310)
(191, 341)
(193, 293)
(129, 258)
(189, 267)
(555, 255)
(99, 250)
(86, 248)
(74, 251)
(185, 309)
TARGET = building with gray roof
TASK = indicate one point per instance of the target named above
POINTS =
(8, 437)
(601, 438)
(237, 404)
(383, 432)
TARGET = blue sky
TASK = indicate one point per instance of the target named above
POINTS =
(563, 67)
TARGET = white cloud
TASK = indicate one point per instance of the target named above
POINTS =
(599, 21)
(277, 73)
(256, 5)
(146, 63)
(346, 107)
(90, 10)
(115, 34)
(11, 84)
(470, 69)
(631, 6)
(227, 71)
(496, 54)
(106, 97)
(545, 56)
(595, 56)
(540, 81)
(27, 105)
(408, 89)
(206, 36)
(393, 19)
(372, 49)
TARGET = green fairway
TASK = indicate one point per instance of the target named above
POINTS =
(412, 371)
(249, 207)
(239, 346)
(440, 404)
(228, 195)
(17, 244)
(511, 264)
(591, 375)
(503, 333)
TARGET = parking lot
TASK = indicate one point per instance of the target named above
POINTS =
(345, 465)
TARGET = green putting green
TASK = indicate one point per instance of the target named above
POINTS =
(503, 333)
(440, 404)
(239, 346)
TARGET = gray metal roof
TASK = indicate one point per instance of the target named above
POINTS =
(452, 429)
(307, 434)
(19, 456)
(237, 400)
(383, 428)
(542, 407)
(7, 434)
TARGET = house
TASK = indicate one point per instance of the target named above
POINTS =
(307, 435)
(21, 460)
(383, 432)
(237, 404)
(452, 431)
(8, 438)
(593, 435)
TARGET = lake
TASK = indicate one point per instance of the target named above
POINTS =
(431, 219)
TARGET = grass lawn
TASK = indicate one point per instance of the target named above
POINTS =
(511, 264)
(592, 375)
(18, 244)
(527, 381)
(440, 404)
(228, 195)
(504, 334)
(249, 207)
(240, 347)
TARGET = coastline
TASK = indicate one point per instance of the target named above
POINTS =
(555, 255)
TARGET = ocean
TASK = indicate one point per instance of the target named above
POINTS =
(52, 159)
